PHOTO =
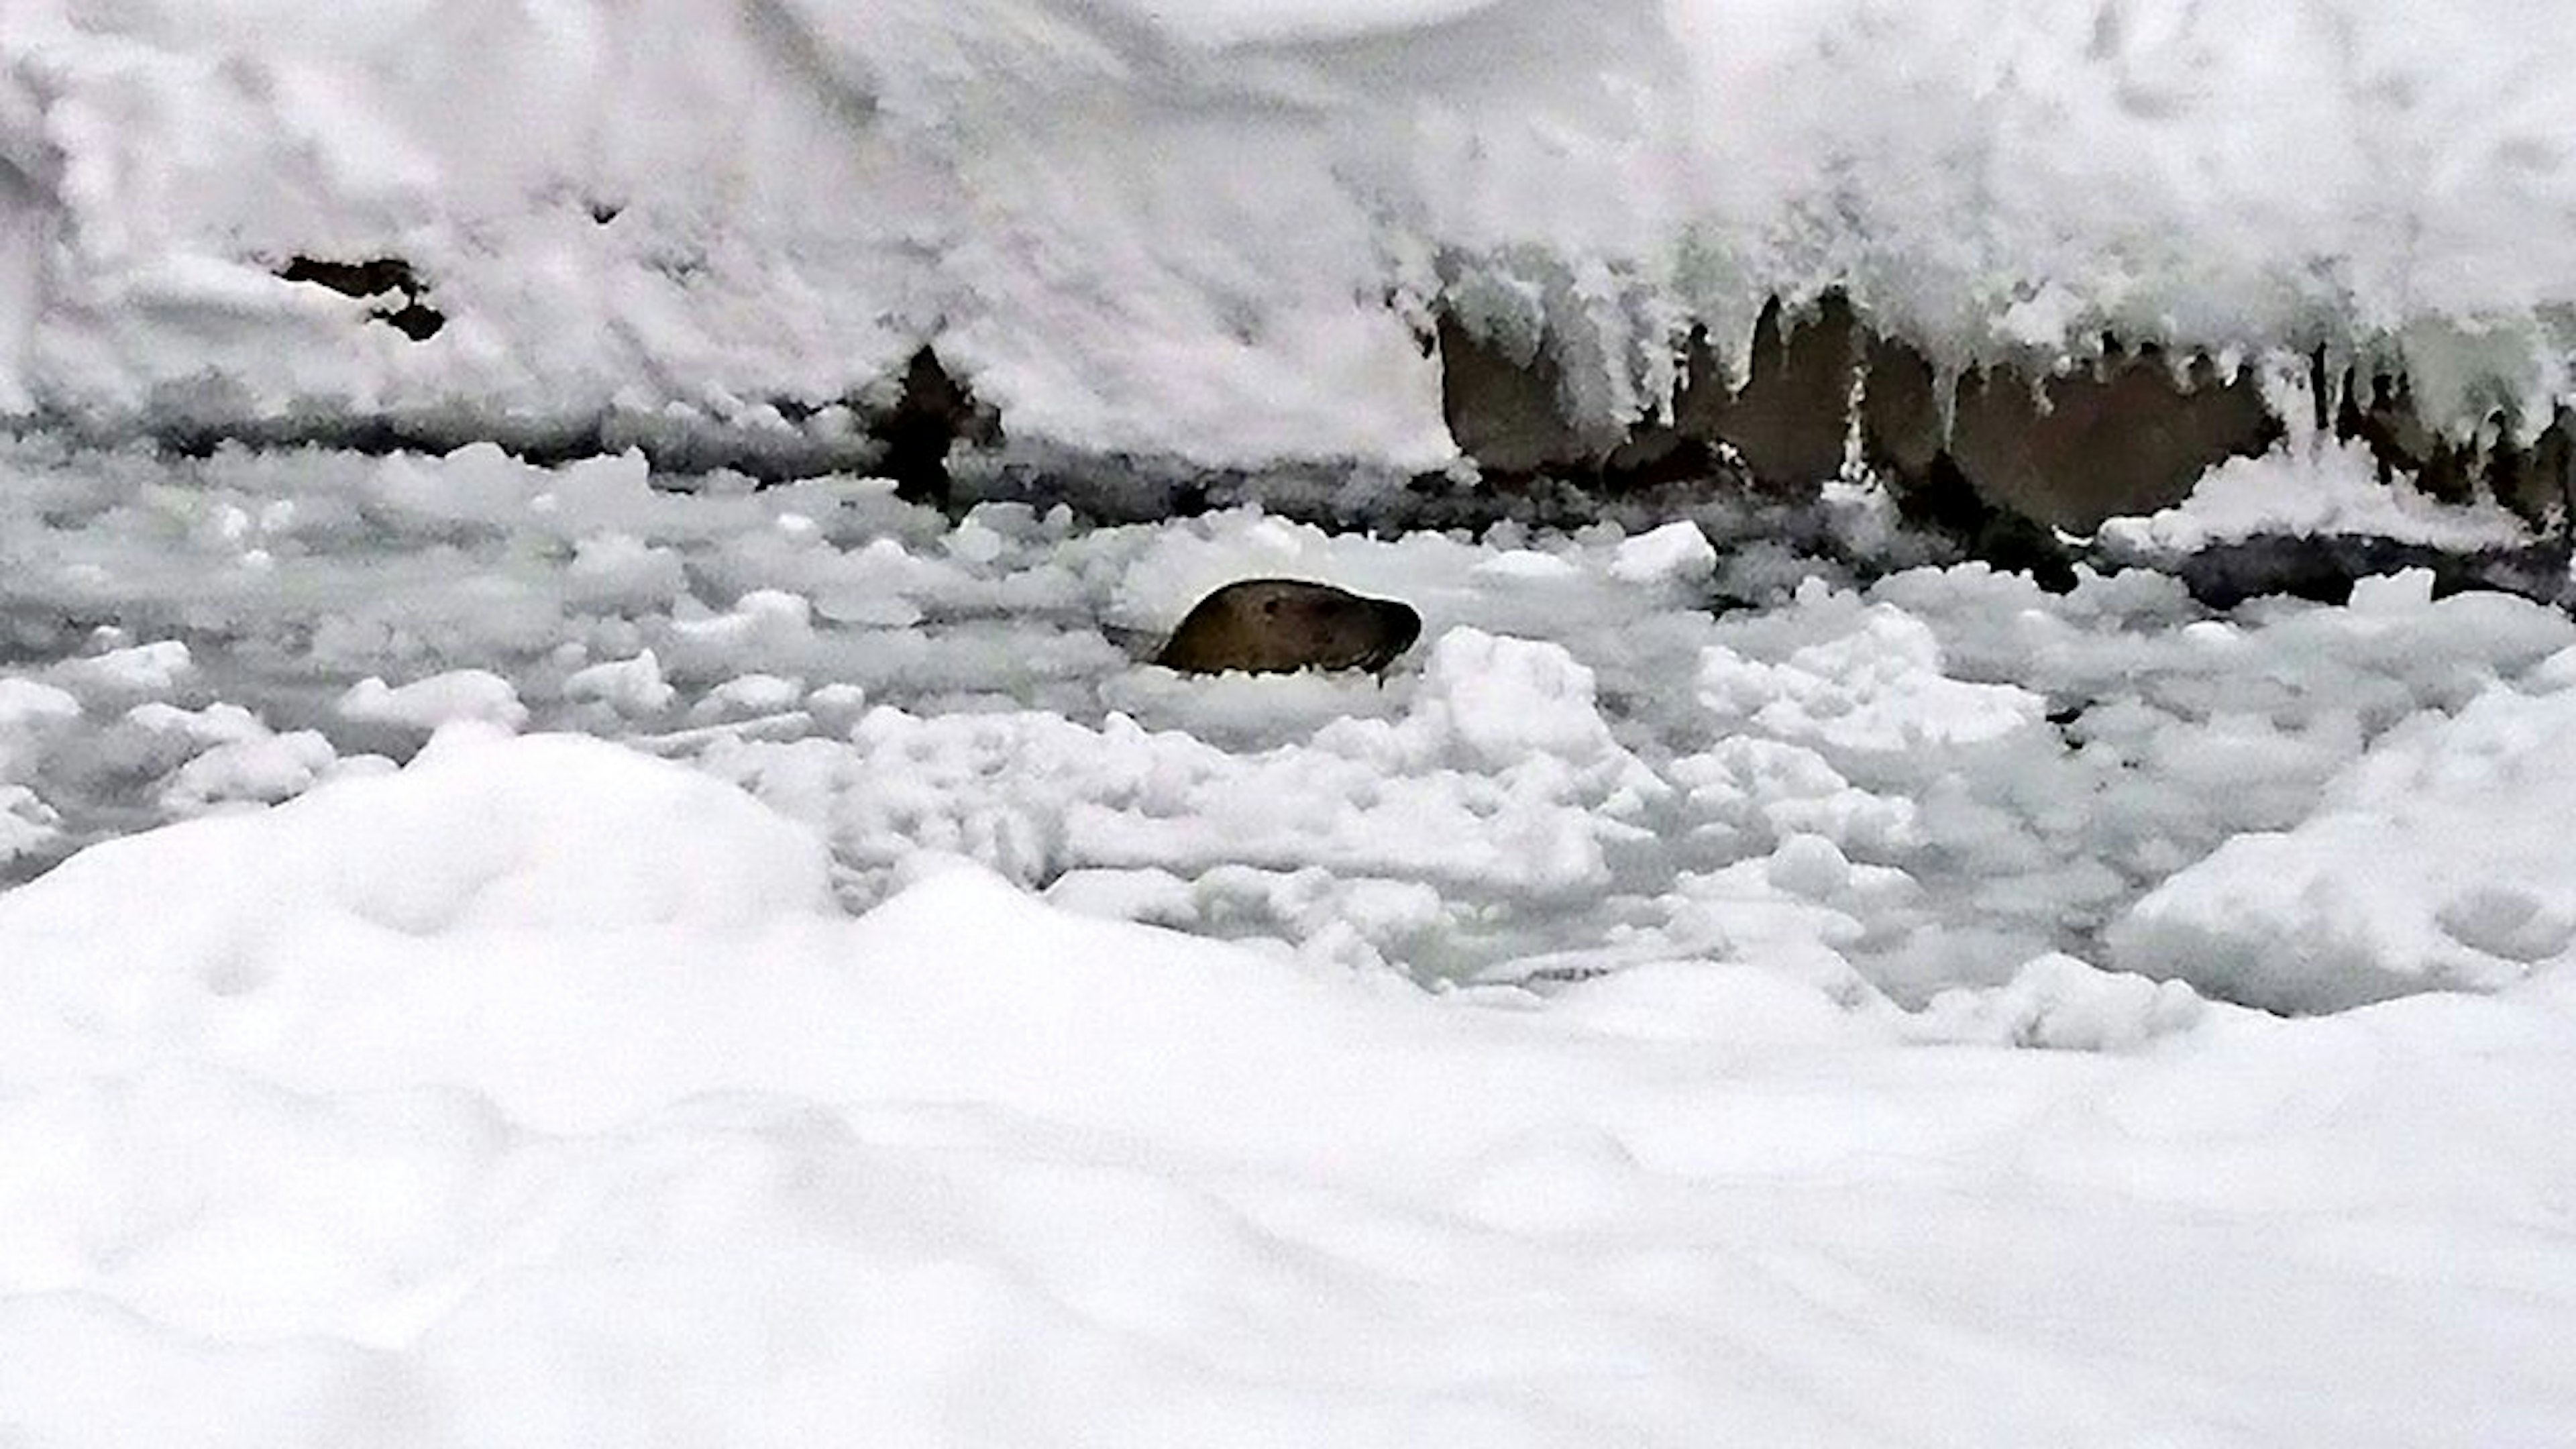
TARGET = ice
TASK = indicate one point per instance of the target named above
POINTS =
(1675, 554)
(425, 704)
(2433, 861)
(1877, 688)
(632, 687)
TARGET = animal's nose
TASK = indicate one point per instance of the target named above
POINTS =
(1403, 626)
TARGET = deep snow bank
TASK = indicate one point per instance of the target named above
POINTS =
(1219, 230)
(289, 1167)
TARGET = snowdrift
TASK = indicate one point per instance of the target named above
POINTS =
(369, 1141)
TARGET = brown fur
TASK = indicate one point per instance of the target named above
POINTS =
(1273, 626)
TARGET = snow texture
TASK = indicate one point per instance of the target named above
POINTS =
(1214, 231)
(538, 1093)
(2323, 489)
(1827, 1022)
(594, 954)
(2440, 858)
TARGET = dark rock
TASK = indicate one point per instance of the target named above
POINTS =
(2324, 567)
(2534, 482)
(1506, 413)
(1791, 420)
(2121, 438)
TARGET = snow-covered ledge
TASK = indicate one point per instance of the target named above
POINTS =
(1221, 232)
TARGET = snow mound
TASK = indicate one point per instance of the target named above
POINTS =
(1878, 688)
(2059, 1002)
(2328, 488)
(2440, 861)
(1492, 702)
(479, 831)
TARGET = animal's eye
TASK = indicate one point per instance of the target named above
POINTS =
(1270, 606)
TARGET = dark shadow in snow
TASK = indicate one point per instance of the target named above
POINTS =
(389, 278)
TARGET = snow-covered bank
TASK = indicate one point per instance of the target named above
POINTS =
(535, 1094)
(1217, 231)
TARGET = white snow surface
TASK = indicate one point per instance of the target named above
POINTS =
(1213, 230)
(2314, 488)
(872, 1002)
(2440, 857)
(494, 953)
(538, 1094)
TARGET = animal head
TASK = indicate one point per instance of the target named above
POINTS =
(1272, 626)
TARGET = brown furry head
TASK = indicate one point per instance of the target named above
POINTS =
(1272, 626)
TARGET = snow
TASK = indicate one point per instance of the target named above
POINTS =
(1875, 689)
(596, 953)
(1675, 554)
(539, 1091)
(1833, 1021)
(2435, 859)
(425, 704)
(1212, 231)
(2318, 489)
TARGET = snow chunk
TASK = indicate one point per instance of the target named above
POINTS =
(748, 696)
(762, 623)
(2325, 487)
(1810, 866)
(1766, 789)
(632, 687)
(1878, 688)
(619, 570)
(27, 823)
(2060, 1002)
(1501, 699)
(1677, 554)
(259, 770)
(30, 715)
(1526, 565)
(2441, 860)
(426, 704)
(129, 675)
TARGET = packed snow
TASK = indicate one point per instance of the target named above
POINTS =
(2328, 490)
(1214, 232)
(577, 956)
